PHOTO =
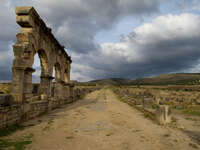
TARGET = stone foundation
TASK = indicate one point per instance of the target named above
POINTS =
(27, 100)
(150, 106)
(17, 113)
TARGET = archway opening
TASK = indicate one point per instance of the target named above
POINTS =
(37, 67)
(40, 64)
(36, 75)
(43, 62)
(57, 77)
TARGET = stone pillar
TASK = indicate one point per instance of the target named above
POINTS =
(163, 114)
(28, 89)
(58, 91)
(45, 85)
(21, 53)
(66, 91)
(18, 84)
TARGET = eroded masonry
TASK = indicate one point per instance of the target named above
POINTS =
(25, 100)
(36, 37)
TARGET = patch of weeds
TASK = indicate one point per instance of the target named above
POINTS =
(154, 106)
(46, 128)
(136, 130)
(109, 134)
(69, 137)
(50, 121)
(178, 107)
(147, 115)
(28, 137)
(18, 144)
(192, 119)
(10, 130)
(192, 112)
(166, 135)
(174, 120)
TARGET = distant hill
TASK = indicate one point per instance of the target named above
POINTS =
(167, 79)
(173, 79)
(111, 81)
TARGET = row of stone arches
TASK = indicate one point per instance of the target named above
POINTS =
(36, 38)
(57, 69)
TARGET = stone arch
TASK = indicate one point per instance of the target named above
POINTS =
(36, 37)
(43, 62)
(44, 75)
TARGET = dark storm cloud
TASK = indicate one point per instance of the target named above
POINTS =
(6, 56)
(188, 5)
(169, 43)
(76, 22)
(8, 29)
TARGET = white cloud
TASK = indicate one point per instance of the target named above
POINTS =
(169, 43)
(162, 29)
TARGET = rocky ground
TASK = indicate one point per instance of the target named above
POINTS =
(101, 122)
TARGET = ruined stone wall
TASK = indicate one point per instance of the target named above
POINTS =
(36, 38)
(145, 102)
(10, 115)
(18, 113)
(27, 101)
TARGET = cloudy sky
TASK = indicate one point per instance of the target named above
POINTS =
(113, 38)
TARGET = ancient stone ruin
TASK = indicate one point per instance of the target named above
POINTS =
(36, 37)
(26, 101)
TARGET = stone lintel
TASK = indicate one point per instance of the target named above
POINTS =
(27, 17)
(29, 69)
(24, 10)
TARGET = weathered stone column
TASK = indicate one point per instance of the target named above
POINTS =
(18, 84)
(45, 85)
(28, 89)
(66, 91)
(58, 89)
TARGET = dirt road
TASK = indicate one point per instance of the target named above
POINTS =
(101, 122)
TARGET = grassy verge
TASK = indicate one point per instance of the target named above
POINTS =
(18, 144)
(192, 112)
(10, 130)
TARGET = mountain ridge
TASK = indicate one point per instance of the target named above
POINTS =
(164, 79)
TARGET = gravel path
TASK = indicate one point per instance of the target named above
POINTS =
(101, 122)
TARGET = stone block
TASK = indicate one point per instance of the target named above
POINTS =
(163, 114)
(6, 100)
(147, 102)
